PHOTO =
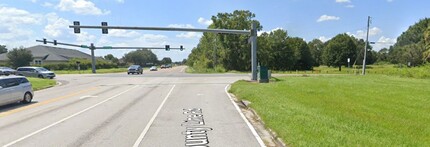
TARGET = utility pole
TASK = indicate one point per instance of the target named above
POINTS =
(93, 59)
(365, 47)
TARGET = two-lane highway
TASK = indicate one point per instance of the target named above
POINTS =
(158, 108)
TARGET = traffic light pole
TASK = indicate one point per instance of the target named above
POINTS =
(253, 38)
(92, 48)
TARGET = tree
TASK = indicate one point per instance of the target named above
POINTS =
(301, 53)
(383, 55)
(426, 54)
(3, 49)
(111, 58)
(338, 50)
(140, 57)
(166, 60)
(316, 47)
(19, 57)
(411, 46)
(232, 51)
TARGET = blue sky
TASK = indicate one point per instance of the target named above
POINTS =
(24, 21)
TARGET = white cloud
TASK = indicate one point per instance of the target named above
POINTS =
(323, 38)
(327, 18)
(343, 1)
(120, 1)
(180, 26)
(350, 6)
(384, 42)
(123, 33)
(261, 32)
(34, 1)
(189, 35)
(13, 16)
(47, 4)
(56, 26)
(85, 37)
(14, 30)
(83, 7)
(361, 34)
(204, 21)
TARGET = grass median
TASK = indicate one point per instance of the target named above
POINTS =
(373, 110)
(101, 71)
(39, 83)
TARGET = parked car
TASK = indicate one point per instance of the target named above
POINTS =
(15, 89)
(39, 72)
(7, 71)
(153, 68)
(163, 66)
(135, 69)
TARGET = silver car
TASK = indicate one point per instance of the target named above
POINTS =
(35, 72)
(15, 89)
(7, 71)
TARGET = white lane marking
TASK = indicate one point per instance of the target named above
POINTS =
(66, 118)
(136, 144)
(87, 96)
(259, 140)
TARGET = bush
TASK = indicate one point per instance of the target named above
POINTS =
(84, 65)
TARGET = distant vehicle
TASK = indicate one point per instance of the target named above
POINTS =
(135, 69)
(15, 89)
(7, 71)
(39, 72)
(153, 68)
(169, 65)
(163, 66)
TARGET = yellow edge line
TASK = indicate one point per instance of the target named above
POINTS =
(2, 114)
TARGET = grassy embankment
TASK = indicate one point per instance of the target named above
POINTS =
(346, 110)
(39, 83)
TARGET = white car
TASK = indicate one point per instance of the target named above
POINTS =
(153, 68)
(15, 89)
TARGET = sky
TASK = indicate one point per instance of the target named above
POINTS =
(24, 21)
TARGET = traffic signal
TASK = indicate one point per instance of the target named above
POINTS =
(167, 47)
(77, 30)
(55, 42)
(104, 30)
(181, 48)
(44, 41)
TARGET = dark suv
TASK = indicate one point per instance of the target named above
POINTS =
(135, 69)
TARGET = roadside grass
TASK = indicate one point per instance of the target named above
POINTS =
(346, 110)
(39, 83)
(101, 71)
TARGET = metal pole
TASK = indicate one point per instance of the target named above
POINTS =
(93, 59)
(365, 48)
(254, 51)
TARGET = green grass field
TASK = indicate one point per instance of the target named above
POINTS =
(113, 70)
(347, 110)
(39, 83)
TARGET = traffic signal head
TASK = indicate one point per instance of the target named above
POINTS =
(44, 41)
(76, 30)
(167, 47)
(181, 48)
(104, 30)
(55, 42)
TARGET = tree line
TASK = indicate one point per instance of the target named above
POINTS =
(278, 51)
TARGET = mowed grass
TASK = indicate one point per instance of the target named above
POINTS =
(39, 83)
(89, 71)
(348, 110)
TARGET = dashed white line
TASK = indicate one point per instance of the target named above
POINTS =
(142, 135)
(66, 118)
(259, 140)
(87, 96)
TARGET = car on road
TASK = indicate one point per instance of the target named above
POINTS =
(135, 69)
(15, 89)
(7, 71)
(163, 66)
(39, 72)
(153, 68)
(168, 65)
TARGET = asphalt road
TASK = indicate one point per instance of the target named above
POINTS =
(158, 108)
